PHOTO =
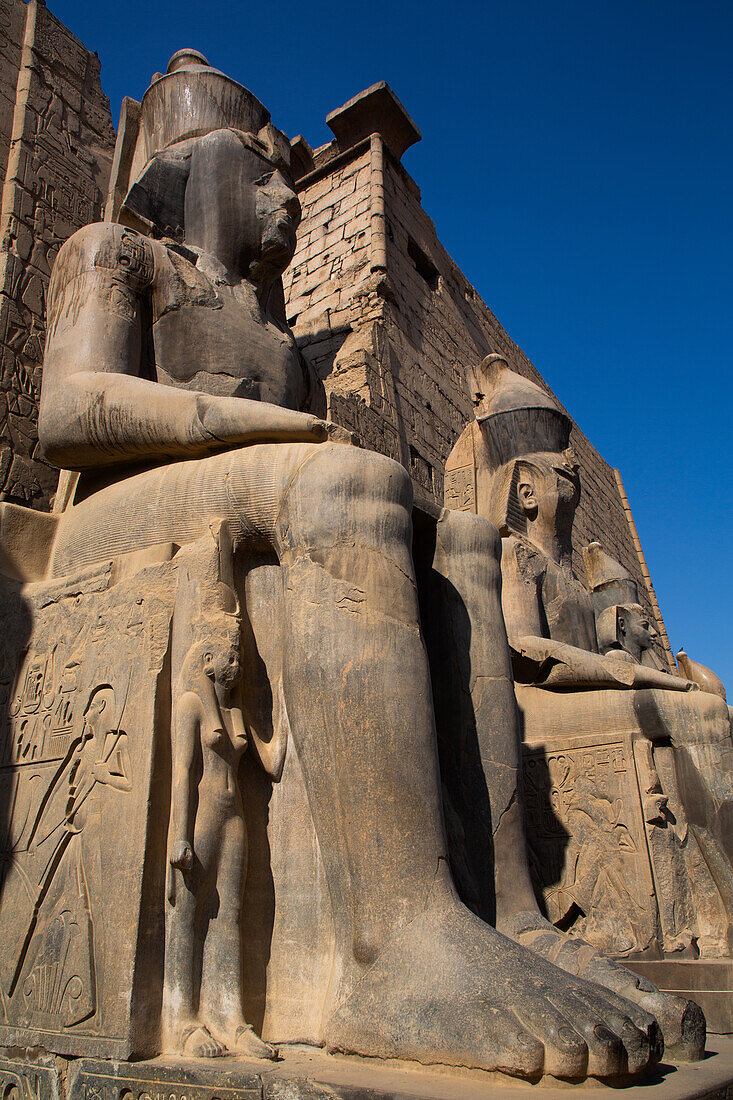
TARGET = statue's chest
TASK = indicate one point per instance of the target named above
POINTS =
(568, 608)
(215, 340)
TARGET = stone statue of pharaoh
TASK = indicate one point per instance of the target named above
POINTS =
(527, 484)
(703, 760)
(174, 388)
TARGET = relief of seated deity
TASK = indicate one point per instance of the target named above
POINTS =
(176, 392)
(584, 667)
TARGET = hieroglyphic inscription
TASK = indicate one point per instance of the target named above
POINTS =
(76, 743)
(156, 1081)
(56, 182)
(586, 842)
(460, 489)
(28, 1080)
(42, 711)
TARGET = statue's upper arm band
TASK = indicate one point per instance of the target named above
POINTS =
(102, 265)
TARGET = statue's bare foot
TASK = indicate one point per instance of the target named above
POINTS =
(450, 989)
(682, 1021)
(248, 1043)
(198, 1042)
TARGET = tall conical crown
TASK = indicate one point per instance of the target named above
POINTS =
(516, 416)
(194, 99)
(191, 100)
(607, 579)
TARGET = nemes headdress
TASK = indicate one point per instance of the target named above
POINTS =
(514, 419)
(612, 589)
(190, 100)
(608, 581)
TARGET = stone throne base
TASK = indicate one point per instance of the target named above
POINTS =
(83, 789)
(307, 1073)
(85, 780)
(611, 853)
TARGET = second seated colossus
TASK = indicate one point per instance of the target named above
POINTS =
(174, 388)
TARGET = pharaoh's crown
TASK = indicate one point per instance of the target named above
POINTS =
(608, 581)
(193, 99)
(190, 100)
(516, 416)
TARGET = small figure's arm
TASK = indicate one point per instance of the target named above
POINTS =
(238, 728)
(112, 769)
(186, 739)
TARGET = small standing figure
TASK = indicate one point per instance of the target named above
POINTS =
(207, 851)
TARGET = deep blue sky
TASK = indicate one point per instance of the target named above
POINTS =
(576, 158)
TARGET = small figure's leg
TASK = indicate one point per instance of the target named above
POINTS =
(222, 971)
(184, 1031)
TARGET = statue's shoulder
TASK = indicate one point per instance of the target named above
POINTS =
(105, 247)
(523, 558)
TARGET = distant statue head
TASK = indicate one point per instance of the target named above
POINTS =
(534, 476)
(627, 627)
(209, 170)
(621, 621)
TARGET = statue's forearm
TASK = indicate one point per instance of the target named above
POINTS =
(93, 419)
(557, 664)
(653, 677)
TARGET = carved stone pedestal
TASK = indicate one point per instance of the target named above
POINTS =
(612, 854)
(307, 1073)
(83, 793)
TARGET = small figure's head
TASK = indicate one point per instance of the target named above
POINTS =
(221, 665)
(216, 653)
(625, 626)
(536, 492)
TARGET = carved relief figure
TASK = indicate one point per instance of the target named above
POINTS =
(706, 770)
(173, 386)
(46, 874)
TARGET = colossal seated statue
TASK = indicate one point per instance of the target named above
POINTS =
(175, 390)
(573, 692)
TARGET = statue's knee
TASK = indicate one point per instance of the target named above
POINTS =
(360, 475)
(467, 530)
(342, 488)
(466, 536)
